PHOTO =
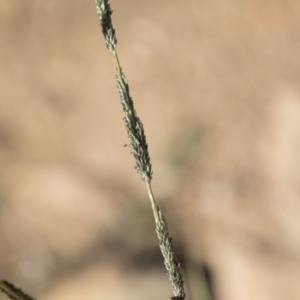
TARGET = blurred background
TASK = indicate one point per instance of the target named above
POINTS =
(216, 84)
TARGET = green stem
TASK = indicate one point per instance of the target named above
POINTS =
(153, 203)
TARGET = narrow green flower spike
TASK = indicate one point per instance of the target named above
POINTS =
(139, 149)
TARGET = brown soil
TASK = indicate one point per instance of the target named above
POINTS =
(216, 84)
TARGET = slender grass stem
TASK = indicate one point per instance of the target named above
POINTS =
(119, 69)
(153, 203)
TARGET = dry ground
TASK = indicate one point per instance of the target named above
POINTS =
(216, 84)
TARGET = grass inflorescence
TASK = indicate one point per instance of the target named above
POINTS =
(139, 149)
(135, 129)
(13, 292)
